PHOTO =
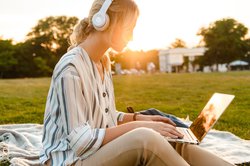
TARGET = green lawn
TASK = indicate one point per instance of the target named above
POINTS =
(23, 100)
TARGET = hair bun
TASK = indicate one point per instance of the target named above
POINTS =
(84, 22)
(86, 26)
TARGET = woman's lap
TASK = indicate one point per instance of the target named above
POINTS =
(137, 147)
(144, 146)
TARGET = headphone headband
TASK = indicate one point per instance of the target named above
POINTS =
(105, 6)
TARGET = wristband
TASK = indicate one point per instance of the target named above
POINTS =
(134, 116)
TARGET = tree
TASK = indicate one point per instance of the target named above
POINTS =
(50, 38)
(7, 59)
(225, 40)
(130, 59)
(178, 44)
(29, 64)
(43, 47)
(247, 55)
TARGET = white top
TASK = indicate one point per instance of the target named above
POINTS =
(78, 109)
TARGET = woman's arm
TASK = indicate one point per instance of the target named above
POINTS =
(116, 131)
(164, 129)
(129, 117)
(82, 138)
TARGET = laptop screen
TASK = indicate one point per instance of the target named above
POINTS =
(210, 114)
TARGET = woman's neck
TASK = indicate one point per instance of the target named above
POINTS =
(95, 45)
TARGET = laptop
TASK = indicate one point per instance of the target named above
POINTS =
(212, 111)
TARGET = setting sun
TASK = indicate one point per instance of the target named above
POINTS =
(159, 24)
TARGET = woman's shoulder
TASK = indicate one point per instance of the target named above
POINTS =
(66, 62)
(68, 57)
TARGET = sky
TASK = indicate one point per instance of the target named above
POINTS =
(159, 24)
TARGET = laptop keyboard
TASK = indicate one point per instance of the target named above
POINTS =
(186, 134)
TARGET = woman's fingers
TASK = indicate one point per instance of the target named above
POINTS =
(171, 130)
(164, 129)
(166, 120)
(166, 134)
(177, 133)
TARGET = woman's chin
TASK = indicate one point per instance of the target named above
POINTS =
(118, 49)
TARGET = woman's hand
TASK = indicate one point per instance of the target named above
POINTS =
(160, 124)
(156, 118)
(164, 129)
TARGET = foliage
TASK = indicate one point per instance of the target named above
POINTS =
(247, 56)
(49, 38)
(27, 64)
(7, 59)
(225, 40)
(136, 59)
(48, 41)
(178, 44)
(43, 47)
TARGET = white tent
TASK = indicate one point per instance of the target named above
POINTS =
(238, 63)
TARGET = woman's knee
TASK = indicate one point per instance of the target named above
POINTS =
(146, 136)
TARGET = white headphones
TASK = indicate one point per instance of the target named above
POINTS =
(100, 20)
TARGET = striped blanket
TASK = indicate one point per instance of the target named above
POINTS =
(20, 145)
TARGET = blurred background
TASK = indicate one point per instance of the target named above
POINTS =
(34, 35)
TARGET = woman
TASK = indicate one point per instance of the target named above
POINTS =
(81, 124)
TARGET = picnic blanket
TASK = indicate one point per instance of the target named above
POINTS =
(20, 144)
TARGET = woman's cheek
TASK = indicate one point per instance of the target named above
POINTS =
(126, 37)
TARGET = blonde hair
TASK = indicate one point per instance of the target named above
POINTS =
(118, 12)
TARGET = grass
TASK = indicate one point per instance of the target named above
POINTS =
(23, 100)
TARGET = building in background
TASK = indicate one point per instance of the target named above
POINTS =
(172, 60)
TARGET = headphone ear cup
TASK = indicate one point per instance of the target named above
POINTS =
(106, 25)
(100, 21)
